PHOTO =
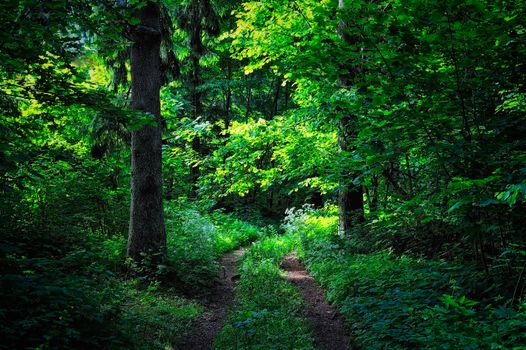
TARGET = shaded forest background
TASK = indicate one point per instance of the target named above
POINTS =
(385, 141)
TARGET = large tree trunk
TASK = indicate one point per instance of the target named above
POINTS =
(350, 196)
(147, 232)
(374, 194)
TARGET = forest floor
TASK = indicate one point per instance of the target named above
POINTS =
(329, 327)
(217, 304)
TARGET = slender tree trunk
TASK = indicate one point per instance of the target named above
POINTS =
(194, 169)
(350, 202)
(409, 174)
(146, 232)
(350, 196)
(170, 185)
(196, 51)
(275, 102)
(197, 111)
(317, 199)
(228, 100)
(374, 193)
(287, 95)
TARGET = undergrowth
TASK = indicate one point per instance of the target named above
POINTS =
(401, 302)
(84, 300)
(67, 286)
(268, 313)
(196, 240)
(156, 319)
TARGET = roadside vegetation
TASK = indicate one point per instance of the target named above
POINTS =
(78, 290)
(402, 301)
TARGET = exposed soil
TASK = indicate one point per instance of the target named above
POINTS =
(329, 327)
(217, 303)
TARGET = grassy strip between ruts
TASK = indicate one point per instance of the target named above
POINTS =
(268, 312)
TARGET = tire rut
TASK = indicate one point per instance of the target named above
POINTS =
(329, 327)
(217, 304)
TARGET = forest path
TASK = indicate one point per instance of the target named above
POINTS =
(329, 327)
(217, 304)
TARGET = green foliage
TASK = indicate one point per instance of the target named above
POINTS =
(196, 240)
(283, 155)
(80, 300)
(191, 246)
(401, 302)
(232, 233)
(268, 314)
(436, 103)
(157, 319)
(45, 307)
(272, 248)
(433, 93)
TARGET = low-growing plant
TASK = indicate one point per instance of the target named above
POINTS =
(156, 320)
(268, 314)
(195, 241)
(191, 252)
(232, 233)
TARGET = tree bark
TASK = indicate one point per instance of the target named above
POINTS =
(275, 102)
(374, 193)
(317, 199)
(350, 202)
(196, 95)
(228, 99)
(147, 235)
(350, 196)
(196, 113)
(194, 169)
(170, 186)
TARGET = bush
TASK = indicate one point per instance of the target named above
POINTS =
(76, 296)
(44, 306)
(232, 233)
(195, 241)
(190, 243)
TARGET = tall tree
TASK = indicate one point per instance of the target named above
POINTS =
(147, 231)
(197, 18)
(350, 196)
